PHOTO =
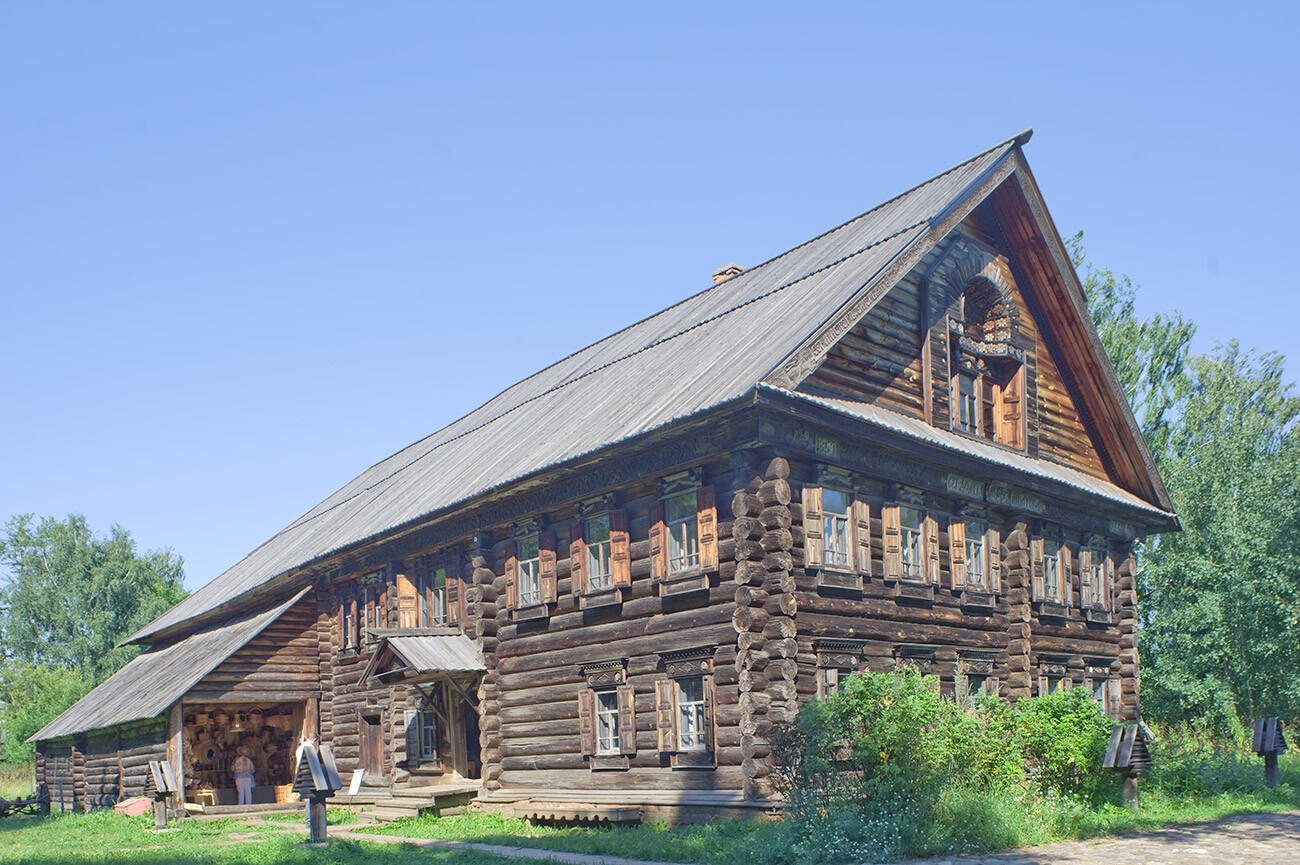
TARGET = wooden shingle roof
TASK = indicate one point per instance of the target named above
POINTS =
(711, 348)
(154, 680)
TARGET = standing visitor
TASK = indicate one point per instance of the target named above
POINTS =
(244, 772)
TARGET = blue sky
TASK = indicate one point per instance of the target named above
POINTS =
(250, 249)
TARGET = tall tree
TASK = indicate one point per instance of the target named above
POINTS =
(71, 596)
(1219, 601)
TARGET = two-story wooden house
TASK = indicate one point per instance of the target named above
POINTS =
(898, 443)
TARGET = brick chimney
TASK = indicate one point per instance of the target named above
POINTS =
(727, 271)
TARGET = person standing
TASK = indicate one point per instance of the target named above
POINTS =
(244, 773)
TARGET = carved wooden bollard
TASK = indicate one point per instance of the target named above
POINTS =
(160, 785)
(1127, 753)
(1268, 742)
(317, 780)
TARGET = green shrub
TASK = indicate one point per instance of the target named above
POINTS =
(1063, 737)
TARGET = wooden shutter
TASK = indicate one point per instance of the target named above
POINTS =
(814, 544)
(892, 520)
(1036, 567)
(658, 543)
(1011, 420)
(626, 720)
(827, 682)
(1108, 598)
(343, 622)
(1087, 594)
(666, 715)
(993, 555)
(862, 537)
(930, 530)
(586, 721)
(1112, 698)
(383, 604)
(706, 515)
(354, 618)
(412, 739)
(577, 560)
(620, 549)
(512, 576)
(455, 587)
(992, 687)
(709, 723)
(957, 552)
(546, 566)
(1064, 558)
(1042, 686)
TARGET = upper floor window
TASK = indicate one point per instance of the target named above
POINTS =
(909, 520)
(600, 557)
(433, 597)
(529, 573)
(597, 564)
(1052, 569)
(911, 543)
(1096, 578)
(683, 531)
(836, 533)
(974, 555)
(1051, 563)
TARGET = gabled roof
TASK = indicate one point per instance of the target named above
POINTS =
(151, 682)
(701, 353)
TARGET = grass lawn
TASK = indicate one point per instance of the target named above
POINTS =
(104, 836)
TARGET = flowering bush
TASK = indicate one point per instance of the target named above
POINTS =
(888, 767)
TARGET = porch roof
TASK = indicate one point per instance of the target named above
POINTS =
(425, 653)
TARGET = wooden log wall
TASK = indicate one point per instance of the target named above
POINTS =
(876, 617)
(530, 724)
(103, 774)
(283, 661)
(344, 699)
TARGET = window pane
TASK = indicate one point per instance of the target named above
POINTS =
(835, 535)
(606, 722)
(835, 502)
(680, 508)
(596, 529)
(684, 546)
(527, 547)
(976, 565)
(690, 714)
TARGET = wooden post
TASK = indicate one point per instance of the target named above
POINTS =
(1271, 773)
(316, 817)
(1131, 791)
(176, 752)
(159, 813)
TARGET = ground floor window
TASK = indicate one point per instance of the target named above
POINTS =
(607, 716)
(684, 705)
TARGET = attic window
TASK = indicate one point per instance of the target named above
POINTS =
(988, 370)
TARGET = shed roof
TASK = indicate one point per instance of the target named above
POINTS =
(152, 681)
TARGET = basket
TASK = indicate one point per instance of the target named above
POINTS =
(284, 793)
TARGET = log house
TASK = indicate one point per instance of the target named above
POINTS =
(899, 443)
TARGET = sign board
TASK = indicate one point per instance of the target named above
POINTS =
(355, 787)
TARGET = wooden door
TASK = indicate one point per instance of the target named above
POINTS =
(372, 744)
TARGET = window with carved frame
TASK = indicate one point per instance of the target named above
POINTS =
(836, 530)
(683, 534)
(607, 715)
(684, 706)
(836, 661)
(1051, 563)
(600, 558)
(530, 570)
(975, 679)
(988, 357)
